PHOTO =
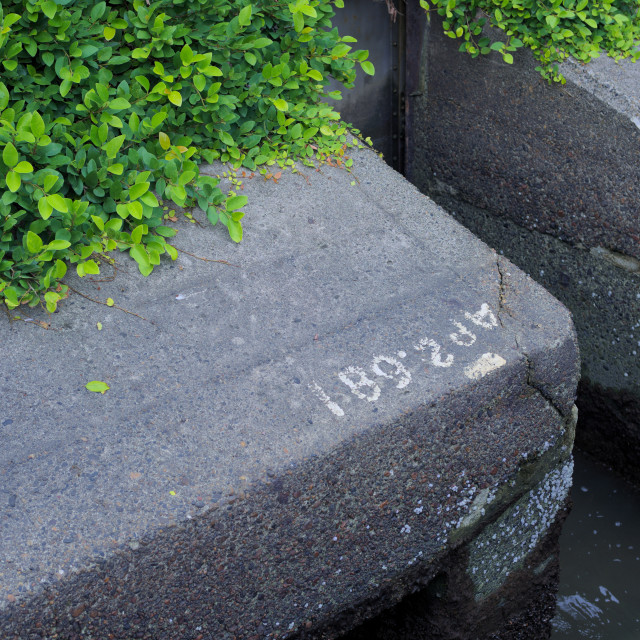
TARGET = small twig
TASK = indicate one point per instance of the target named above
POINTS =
(207, 259)
(40, 323)
(111, 306)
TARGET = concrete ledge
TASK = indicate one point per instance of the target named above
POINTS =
(549, 176)
(289, 445)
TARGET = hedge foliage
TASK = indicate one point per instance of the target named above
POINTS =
(553, 30)
(108, 108)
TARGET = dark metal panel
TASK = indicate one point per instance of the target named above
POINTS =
(374, 104)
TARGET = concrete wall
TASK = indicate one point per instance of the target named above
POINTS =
(549, 176)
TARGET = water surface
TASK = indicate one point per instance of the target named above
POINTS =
(599, 594)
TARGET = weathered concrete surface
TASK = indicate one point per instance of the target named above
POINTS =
(605, 304)
(275, 457)
(556, 170)
(451, 606)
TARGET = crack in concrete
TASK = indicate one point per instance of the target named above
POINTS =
(530, 380)
(502, 294)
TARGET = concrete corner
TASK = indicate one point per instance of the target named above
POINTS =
(549, 176)
(294, 438)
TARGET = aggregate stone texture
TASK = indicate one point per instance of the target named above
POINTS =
(446, 608)
(560, 159)
(288, 434)
(549, 175)
(605, 301)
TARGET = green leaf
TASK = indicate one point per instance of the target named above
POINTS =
(37, 124)
(116, 169)
(91, 267)
(137, 233)
(280, 104)
(235, 230)
(165, 142)
(118, 104)
(175, 98)
(340, 50)
(58, 202)
(97, 386)
(226, 139)
(51, 298)
(135, 209)
(552, 21)
(149, 199)
(10, 155)
(113, 146)
(109, 33)
(23, 167)
(139, 254)
(99, 222)
(58, 245)
(34, 242)
(261, 43)
(98, 11)
(236, 202)
(4, 96)
(166, 232)
(186, 177)
(49, 181)
(61, 269)
(186, 55)
(199, 82)
(49, 8)
(13, 181)
(65, 87)
(244, 17)
(368, 67)
(138, 189)
(44, 208)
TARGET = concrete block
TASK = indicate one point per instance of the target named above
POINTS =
(294, 438)
(549, 176)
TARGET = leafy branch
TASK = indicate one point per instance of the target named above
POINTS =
(108, 109)
(553, 30)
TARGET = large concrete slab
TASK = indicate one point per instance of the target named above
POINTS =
(292, 440)
(549, 176)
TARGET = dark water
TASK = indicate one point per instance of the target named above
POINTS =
(599, 594)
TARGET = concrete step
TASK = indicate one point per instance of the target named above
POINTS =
(293, 438)
(549, 176)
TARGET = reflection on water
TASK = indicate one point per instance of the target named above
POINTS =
(599, 594)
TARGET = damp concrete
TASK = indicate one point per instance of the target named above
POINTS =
(294, 437)
(548, 175)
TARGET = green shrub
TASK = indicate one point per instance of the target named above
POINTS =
(108, 108)
(553, 30)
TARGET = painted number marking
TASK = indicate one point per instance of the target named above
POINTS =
(362, 382)
(401, 371)
(364, 388)
(486, 363)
